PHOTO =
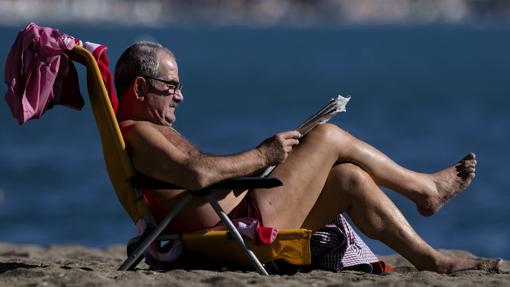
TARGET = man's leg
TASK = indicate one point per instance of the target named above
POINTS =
(312, 195)
(308, 165)
(349, 188)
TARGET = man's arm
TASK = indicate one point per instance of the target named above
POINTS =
(165, 157)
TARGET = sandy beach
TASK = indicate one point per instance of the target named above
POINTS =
(69, 265)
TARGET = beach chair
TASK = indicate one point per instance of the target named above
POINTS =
(291, 246)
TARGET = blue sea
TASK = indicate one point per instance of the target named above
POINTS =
(424, 95)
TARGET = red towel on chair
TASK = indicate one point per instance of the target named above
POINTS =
(99, 52)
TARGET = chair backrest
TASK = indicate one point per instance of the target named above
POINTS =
(116, 157)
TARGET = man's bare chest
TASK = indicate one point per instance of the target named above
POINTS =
(178, 140)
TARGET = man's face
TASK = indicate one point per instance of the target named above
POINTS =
(163, 94)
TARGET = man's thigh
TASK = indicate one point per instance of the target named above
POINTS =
(303, 174)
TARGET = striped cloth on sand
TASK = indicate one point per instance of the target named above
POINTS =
(337, 246)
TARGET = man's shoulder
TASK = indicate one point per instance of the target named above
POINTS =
(130, 126)
(146, 130)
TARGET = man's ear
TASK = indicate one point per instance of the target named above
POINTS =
(139, 88)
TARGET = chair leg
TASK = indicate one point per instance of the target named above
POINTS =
(137, 253)
(233, 231)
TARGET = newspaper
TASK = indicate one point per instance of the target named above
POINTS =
(334, 106)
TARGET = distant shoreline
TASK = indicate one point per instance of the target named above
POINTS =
(63, 265)
(157, 13)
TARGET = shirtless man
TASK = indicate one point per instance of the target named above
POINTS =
(325, 173)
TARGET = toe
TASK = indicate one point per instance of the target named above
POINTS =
(466, 176)
(469, 169)
(470, 156)
(470, 164)
(492, 266)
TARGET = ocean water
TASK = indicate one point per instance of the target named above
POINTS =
(424, 95)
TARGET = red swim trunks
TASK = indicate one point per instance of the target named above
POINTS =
(247, 208)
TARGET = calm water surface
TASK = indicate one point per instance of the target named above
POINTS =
(426, 96)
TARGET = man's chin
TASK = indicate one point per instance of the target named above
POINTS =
(170, 120)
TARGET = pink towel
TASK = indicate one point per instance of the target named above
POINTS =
(39, 74)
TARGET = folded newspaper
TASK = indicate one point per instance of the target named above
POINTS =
(334, 106)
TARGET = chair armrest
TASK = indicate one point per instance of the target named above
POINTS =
(246, 182)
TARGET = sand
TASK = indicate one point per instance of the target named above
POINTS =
(68, 265)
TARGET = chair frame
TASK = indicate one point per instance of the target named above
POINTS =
(239, 182)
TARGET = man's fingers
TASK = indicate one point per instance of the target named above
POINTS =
(290, 134)
(290, 145)
(280, 145)
(292, 142)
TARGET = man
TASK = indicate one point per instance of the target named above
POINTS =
(325, 173)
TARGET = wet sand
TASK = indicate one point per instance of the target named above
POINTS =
(68, 265)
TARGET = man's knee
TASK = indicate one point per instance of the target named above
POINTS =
(326, 132)
(351, 176)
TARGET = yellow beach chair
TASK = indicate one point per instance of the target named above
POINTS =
(292, 246)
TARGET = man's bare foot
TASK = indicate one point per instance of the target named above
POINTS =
(448, 183)
(457, 264)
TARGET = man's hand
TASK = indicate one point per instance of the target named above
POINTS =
(276, 148)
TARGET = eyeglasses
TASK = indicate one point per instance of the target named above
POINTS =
(171, 86)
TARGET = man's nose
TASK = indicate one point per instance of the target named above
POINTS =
(178, 96)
